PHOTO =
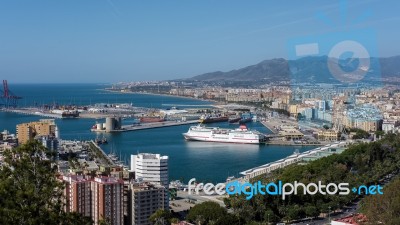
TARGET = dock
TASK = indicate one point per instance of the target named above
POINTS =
(33, 112)
(145, 126)
(269, 127)
(102, 155)
(294, 158)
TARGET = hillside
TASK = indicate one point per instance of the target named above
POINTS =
(308, 69)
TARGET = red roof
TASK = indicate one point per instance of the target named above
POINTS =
(352, 219)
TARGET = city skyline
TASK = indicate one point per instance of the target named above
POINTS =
(111, 41)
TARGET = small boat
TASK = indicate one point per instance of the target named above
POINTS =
(104, 140)
(98, 141)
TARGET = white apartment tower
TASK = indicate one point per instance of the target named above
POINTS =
(151, 168)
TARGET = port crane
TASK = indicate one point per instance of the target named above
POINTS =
(8, 99)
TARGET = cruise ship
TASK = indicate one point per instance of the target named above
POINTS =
(216, 134)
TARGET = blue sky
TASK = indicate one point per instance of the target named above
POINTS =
(111, 40)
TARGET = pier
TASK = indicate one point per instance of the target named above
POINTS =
(269, 127)
(294, 158)
(101, 154)
(145, 126)
(33, 112)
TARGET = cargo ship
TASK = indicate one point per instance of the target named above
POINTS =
(213, 119)
(66, 113)
(215, 134)
(151, 119)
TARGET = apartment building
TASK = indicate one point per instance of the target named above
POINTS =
(146, 199)
(107, 200)
(100, 198)
(28, 131)
(77, 194)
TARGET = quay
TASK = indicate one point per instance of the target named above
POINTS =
(102, 155)
(145, 126)
(291, 143)
(267, 125)
(33, 112)
(310, 155)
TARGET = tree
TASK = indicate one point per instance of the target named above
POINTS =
(311, 211)
(379, 133)
(161, 216)
(384, 209)
(228, 219)
(293, 213)
(174, 220)
(227, 202)
(29, 190)
(205, 212)
(270, 217)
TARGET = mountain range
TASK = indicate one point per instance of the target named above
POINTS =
(307, 69)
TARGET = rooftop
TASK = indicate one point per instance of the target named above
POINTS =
(352, 219)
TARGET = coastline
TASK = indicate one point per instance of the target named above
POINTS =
(156, 94)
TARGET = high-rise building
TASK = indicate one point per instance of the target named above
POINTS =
(77, 194)
(322, 105)
(107, 200)
(100, 198)
(151, 168)
(146, 199)
(28, 131)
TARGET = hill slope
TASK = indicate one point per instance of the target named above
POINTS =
(308, 69)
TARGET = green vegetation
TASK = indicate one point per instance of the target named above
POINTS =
(360, 164)
(360, 134)
(207, 213)
(384, 209)
(29, 190)
(161, 217)
(99, 155)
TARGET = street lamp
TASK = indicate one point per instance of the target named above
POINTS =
(329, 215)
(268, 218)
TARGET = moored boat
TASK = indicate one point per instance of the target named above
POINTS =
(216, 134)
(213, 119)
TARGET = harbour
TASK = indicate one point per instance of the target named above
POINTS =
(206, 161)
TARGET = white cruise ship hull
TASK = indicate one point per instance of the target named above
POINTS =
(239, 140)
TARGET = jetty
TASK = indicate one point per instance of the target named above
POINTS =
(33, 112)
(335, 148)
(144, 126)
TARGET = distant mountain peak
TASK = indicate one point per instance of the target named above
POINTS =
(306, 69)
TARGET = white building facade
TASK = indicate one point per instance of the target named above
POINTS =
(152, 168)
